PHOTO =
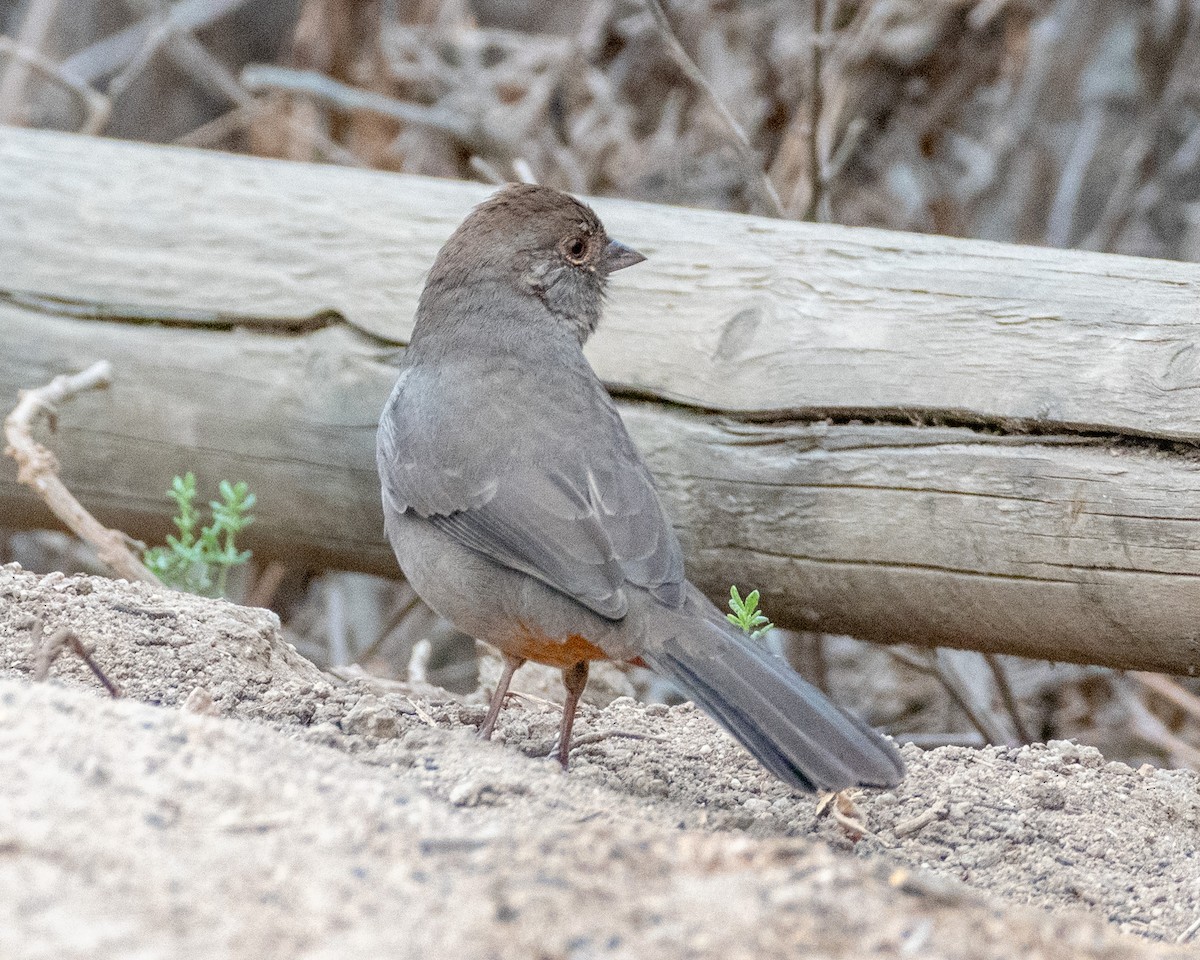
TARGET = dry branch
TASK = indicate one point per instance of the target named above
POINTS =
(1171, 691)
(25, 51)
(113, 52)
(1008, 698)
(329, 92)
(60, 641)
(816, 177)
(37, 468)
(936, 664)
(1150, 728)
(96, 106)
(696, 76)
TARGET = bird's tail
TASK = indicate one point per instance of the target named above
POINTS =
(787, 723)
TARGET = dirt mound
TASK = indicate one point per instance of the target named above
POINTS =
(273, 811)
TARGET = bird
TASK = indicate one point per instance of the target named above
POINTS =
(521, 511)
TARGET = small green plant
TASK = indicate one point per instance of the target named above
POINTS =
(199, 562)
(746, 616)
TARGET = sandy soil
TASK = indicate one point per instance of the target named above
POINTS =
(239, 803)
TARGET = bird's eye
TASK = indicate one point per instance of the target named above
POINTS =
(575, 250)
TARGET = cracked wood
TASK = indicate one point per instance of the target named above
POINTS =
(1078, 540)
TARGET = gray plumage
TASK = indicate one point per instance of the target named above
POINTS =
(521, 511)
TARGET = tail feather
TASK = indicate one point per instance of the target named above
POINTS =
(785, 722)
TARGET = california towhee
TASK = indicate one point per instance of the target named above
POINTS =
(520, 510)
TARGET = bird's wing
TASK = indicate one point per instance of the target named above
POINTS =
(575, 508)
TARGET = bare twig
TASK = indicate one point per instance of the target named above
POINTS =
(523, 171)
(159, 34)
(921, 820)
(418, 662)
(1170, 690)
(936, 667)
(170, 32)
(266, 585)
(487, 173)
(1022, 108)
(950, 665)
(846, 814)
(96, 106)
(38, 468)
(1060, 224)
(391, 624)
(35, 26)
(519, 695)
(816, 179)
(109, 55)
(696, 76)
(1154, 731)
(259, 77)
(243, 117)
(421, 712)
(64, 638)
(601, 735)
(1140, 149)
(1190, 931)
(191, 56)
(335, 618)
(1183, 161)
(846, 148)
(226, 125)
(590, 738)
(1000, 675)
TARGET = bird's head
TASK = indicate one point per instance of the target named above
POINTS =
(539, 243)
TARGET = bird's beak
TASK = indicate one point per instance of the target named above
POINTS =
(617, 256)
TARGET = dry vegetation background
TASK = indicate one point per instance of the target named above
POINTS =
(1061, 122)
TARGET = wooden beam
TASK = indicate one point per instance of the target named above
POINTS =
(731, 313)
(1065, 547)
(906, 438)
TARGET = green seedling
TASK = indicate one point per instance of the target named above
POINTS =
(746, 616)
(199, 562)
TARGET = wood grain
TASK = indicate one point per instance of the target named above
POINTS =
(731, 313)
(905, 438)
(1069, 548)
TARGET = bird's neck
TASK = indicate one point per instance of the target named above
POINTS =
(490, 318)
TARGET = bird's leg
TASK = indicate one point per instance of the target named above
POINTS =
(511, 665)
(574, 679)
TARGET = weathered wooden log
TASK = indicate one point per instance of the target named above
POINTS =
(906, 438)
